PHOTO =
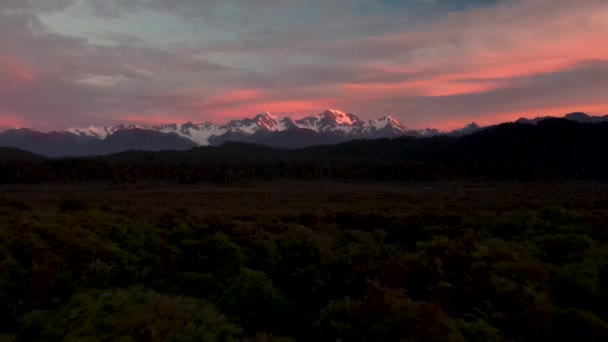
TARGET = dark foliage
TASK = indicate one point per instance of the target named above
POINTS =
(93, 270)
(14, 154)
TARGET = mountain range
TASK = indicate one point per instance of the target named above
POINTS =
(549, 150)
(329, 122)
(329, 127)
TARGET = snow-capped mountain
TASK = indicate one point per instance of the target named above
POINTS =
(100, 132)
(331, 121)
(329, 127)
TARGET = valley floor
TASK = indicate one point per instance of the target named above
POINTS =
(302, 197)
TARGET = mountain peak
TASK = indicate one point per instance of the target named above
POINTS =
(387, 122)
(266, 115)
(93, 131)
(578, 116)
(335, 112)
(266, 121)
(339, 117)
(468, 129)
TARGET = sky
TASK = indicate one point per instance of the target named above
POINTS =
(428, 63)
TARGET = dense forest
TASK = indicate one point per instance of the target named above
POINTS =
(553, 149)
(310, 263)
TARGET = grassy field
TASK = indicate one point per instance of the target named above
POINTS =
(304, 261)
(302, 197)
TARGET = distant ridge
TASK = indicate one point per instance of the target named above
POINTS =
(327, 128)
(330, 122)
(576, 116)
(550, 150)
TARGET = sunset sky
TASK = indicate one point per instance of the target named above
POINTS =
(429, 63)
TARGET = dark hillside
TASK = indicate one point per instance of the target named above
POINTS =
(15, 154)
(554, 149)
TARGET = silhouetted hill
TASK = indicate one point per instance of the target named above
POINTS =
(15, 154)
(63, 144)
(550, 140)
(576, 116)
(140, 140)
(299, 138)
(53, 144)
(228, 151)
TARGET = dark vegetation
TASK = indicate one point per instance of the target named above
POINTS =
(553, 149)
(304, 261)
(14, 154)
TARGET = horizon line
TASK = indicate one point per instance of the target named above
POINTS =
(128, 123)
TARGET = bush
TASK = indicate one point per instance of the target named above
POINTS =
(7, 203)
(73, 205)
(133, 314)
(253, 298)
(582, 325)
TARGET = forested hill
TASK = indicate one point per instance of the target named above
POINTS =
(554, 140)
(15, 154)
(553, 149)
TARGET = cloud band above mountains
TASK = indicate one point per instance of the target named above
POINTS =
(429, 63)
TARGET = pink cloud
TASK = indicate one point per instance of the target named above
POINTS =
(481, 64)
(155, 119)
(11, 122)
(236, 111)
(500, 117)
(293, 108)
(15, 71)
(482, 50)
(236, 95)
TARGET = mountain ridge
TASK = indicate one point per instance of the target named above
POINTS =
(327, 128)
(329, 121)
(552, 150)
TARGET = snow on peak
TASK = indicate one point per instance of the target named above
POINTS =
(263, 121)
(266, 121)
(268, 115)
(338, 116)
(91, 131)
(387, 122)
(334, 112)
(330, 121)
